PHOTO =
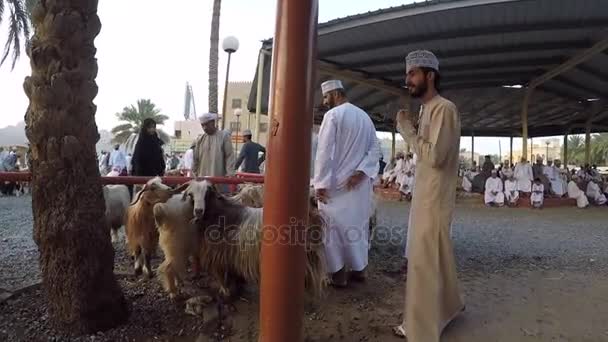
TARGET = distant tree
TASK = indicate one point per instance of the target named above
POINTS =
(599, 149)
(134, 117)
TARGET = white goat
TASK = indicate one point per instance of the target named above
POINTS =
(142, 235)
(231, 239)
(179, 239)
(117, 200)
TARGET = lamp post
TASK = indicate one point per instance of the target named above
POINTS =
(547, 155)
(237, 113)
(230, 45)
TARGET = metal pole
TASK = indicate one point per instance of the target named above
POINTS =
(566, 150)
(226, 92)
(524, 122)
(531, 150)
(472, 148)
(588, 143)
(258, 98)
(393, 143)
(511, 151)
(238, 129)
(287, 173)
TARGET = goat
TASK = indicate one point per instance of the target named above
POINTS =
(231, 239)
(142, 235)
(179, 239)
(250, 195)
(117, 200)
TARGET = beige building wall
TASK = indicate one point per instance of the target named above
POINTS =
(238, 96)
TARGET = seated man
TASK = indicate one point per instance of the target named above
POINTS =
(494, 195)
(467, 180)
(511, 192)
(575, 192)
(537, 198)
(594, 192)
(407, 185)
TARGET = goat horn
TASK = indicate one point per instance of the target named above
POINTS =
(139, 196)
(181, 188)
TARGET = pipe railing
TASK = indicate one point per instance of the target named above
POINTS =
(135, 180)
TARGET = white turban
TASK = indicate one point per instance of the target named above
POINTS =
(421, 59)
(330, 85)
(208, 117)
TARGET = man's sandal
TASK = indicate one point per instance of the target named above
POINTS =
(399, 331)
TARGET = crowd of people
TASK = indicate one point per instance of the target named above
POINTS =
(507, 184)
(211, 154)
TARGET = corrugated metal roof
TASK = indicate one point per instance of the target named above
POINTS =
(482, 45)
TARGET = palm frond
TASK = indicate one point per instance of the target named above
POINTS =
(19, 27)
(160, 119)
(123, 127)
(122, 137)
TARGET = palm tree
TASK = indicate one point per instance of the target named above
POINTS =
(18, 27)
(213, 56)
(76, 255)
(599, 148)
(134, 117)
(576, 149)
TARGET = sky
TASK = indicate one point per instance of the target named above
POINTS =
(149, 49)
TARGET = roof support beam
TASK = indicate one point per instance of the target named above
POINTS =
(571, 63)
(330, 69)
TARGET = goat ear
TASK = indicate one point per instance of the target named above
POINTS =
(185, 196)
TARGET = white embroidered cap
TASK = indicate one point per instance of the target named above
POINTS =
(208, 117)
(330, 85)
(421, 59)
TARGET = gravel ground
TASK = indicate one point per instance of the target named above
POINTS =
(527, 276)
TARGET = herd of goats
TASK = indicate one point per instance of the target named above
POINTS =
(194, 224)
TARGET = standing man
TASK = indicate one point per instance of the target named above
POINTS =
(118, 161)
(213, 154)
(348, 152)
(433, 296)
(524, 176)
(250, 154)
(189, 160)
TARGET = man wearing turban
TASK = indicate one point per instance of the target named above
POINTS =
(213, 155)
(433, 297)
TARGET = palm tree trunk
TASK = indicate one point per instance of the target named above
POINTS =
(213, 56)
(76, 256)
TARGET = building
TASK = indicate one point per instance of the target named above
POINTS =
(238, 95)
(548, 149)
(186, 131)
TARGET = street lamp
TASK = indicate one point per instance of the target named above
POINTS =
(237, 113)
(230, 45)
(547, 155)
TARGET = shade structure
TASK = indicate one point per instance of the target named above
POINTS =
(489, 52)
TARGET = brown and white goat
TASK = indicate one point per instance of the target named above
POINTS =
(231, 239)
(142, 235)
(179, 239)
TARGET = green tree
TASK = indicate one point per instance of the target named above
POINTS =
(599, 149)
(576, 150)
(18, 27)
(133, 118)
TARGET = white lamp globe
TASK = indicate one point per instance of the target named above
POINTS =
(230, 44)
(238, 112)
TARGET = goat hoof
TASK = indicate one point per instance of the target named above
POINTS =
(138, 272)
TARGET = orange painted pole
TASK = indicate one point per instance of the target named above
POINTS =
(288, 174)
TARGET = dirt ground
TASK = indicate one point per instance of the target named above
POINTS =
(526, 276)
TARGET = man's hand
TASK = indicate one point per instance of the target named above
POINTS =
(355, 180)
(404, 115)
(322, 195)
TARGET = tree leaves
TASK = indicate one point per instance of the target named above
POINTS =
(18, 28)
(133, 117)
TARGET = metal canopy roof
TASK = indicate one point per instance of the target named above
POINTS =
(482, 46)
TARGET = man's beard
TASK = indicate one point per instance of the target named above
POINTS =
(417, 91)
